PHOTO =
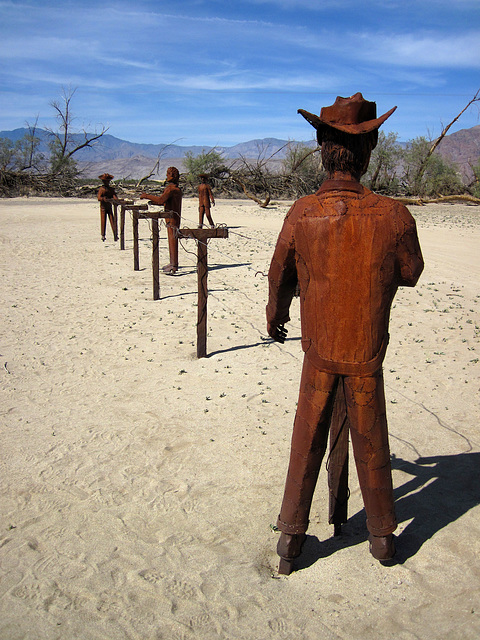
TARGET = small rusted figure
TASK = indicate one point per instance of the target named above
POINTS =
(105, 193)
(205, 197)
(348, 249)
(171, 198)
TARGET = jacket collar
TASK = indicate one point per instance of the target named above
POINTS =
(341, 185)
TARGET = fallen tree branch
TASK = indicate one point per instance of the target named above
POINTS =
(422, 201)
(263, 204)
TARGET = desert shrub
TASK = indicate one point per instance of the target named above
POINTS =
(474, 187)
(21, 155)
(382, 173)
(210, 162)
(303, 170)
(428, 176)
(7, 154)
(61, 163)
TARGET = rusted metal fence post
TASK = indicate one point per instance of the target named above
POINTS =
(115, 218)
(120, 203)
(122, 227)
(155, 260)
(141, 213)
(338, 463)
(202, 236)
(135, 209)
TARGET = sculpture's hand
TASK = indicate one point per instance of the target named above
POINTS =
(277, 332)
(144, 196)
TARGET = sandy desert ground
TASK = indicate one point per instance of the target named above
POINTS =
(139, 483)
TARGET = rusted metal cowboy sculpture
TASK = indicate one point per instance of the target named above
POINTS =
(205, 197)
(106, 193)
(348, 249)
(172, 199)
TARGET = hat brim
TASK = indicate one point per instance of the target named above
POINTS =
(362, 127)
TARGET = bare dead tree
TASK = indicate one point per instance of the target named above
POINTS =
(423, 164)
(62, 149)
(30, 144)
(254, 176)
(304, 157)
(155, 167)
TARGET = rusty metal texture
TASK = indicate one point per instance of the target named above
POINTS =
(106, 195)
(119, 202)
(202, 236)
(171, 198)
(141, 212)
(348, 250)
(205, 200)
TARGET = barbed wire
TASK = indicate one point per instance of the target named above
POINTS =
(192, 259)
(267, 339)
(262, 333)
(220, 225)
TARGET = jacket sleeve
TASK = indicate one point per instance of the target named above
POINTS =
(163, 197)
(409, 254)
(282, 276)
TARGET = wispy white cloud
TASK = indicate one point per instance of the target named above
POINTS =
(231, 64)
(36, 47)
(408, 49)
(424, 50)
(242, 81)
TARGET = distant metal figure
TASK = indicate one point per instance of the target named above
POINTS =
(205, 196)
(105, 193)
(349, 250)
(172, 199)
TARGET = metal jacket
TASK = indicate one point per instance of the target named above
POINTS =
(103, 194)
(172, 199)
(349, 249)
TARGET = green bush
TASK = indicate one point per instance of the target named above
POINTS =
(304, 170)
(425, 176)
(385, 163)
(211, 163)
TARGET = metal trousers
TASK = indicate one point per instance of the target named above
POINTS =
(365, 406)
(103, 223)
(172, 225)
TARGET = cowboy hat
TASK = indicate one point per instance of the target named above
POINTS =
(105, 176)
(352, 115)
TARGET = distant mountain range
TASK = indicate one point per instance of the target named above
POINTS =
(133, 160)
(463, 148)
(130, 159)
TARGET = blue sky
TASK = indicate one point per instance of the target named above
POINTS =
(214, 72)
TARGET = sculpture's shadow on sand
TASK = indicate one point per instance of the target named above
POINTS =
(188, 271)
(442, 489)
(233, 265)
(263, 342)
